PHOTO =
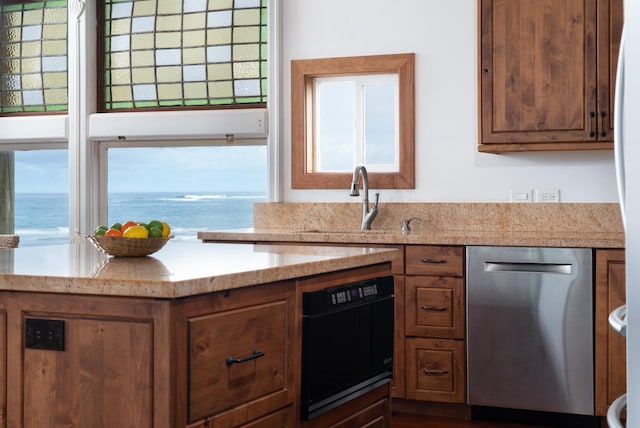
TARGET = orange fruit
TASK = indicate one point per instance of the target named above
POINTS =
(113, 232)
(128, 224)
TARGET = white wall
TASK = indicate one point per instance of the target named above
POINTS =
(443, 35)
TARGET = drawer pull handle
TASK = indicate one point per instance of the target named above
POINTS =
(432, 372)
(434, 308)
(434, 261)
(254, 355)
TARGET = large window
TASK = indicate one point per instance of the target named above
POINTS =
(190, 53)
(128, 152)
(42, 197)
(33, 57)
(191, 188)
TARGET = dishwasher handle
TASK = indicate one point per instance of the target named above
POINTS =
(559, 268)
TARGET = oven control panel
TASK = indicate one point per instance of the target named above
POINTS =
(346, 295)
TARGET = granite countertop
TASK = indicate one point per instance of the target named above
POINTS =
(569, 225)
(177, 270)
(448, 237)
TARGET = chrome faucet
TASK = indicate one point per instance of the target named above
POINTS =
(367, 214)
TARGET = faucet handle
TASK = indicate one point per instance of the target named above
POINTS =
(406, 229)
(375, 204)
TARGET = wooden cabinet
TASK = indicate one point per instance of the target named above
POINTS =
(547, 74)
(3, 367)
(610, 347)
(435, 323)
(435, 369)
(220, 359)
(102, 377)
(239, 354)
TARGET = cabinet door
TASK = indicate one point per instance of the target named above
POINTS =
(237, 356)
(101, 379)
(610, 357)
(539, 82)
(435, 307)
(3, 368)
(434, 260)
(435, 370)
(610, 21)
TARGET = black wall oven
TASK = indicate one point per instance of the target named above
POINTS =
(347, 343)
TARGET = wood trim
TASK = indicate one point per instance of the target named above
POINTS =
(302, 74)
(610, 359)
(540, 147)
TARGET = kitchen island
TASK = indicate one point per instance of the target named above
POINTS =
(91, 340)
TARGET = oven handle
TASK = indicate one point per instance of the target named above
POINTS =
(254, 355)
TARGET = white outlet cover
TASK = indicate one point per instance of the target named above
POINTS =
(520, 195)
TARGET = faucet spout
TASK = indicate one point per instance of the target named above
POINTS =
(367, 214)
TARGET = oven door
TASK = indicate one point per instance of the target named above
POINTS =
(345, 353)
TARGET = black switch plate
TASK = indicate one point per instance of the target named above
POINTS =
(44, 334)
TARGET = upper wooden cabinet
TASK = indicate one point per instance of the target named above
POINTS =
(547, 74)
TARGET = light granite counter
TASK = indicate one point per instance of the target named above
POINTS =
(449, 237)
(177, 270)
(541, 225)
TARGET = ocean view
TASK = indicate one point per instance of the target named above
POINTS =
(43, 218)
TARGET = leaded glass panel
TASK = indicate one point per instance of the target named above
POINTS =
(183, 53)
(33, 57)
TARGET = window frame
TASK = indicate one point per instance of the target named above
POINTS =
(303, 73)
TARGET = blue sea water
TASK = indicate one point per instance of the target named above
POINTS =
(43, 218)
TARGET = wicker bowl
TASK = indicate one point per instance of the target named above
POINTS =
(128, 247)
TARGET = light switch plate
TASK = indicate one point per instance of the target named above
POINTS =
(520, 195)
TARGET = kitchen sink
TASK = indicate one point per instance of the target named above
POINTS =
(349, 232)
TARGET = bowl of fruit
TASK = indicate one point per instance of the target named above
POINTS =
(131, 239)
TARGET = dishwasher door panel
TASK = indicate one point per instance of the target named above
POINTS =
(529, 328)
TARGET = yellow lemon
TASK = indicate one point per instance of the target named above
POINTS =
(166, 230)
(136, 232)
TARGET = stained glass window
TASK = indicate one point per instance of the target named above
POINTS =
(33, 57)
(184, 53)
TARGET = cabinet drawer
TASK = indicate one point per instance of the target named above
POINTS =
(434, 306)
(435, 370)
(434, 260)
(235, 357)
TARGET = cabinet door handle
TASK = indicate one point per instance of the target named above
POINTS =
(592, 115)
(433, 372)
(434, 261)
(434, 308)
(603, 133)
(254, 355)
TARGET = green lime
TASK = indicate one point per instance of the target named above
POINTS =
(100, 230)
(154, 223)
(155, 232)
(117, 226)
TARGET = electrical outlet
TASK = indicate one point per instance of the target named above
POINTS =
(547, 195)
(520, 195)
(44, 334)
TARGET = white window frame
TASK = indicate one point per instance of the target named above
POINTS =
(87, 135)
(359, 82)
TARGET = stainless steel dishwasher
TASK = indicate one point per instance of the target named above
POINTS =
(530, 329)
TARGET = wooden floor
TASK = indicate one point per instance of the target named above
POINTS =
(403, 420)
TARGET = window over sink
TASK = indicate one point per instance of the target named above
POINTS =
(350, 111)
